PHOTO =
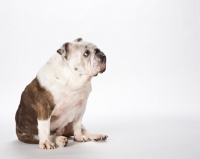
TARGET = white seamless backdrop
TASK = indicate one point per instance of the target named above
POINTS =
(148, 99)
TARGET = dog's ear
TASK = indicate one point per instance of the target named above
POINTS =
(60, 51)
(78, 40)
(64, 50)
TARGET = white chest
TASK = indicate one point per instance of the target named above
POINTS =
(69, 104)
(69, 91)
(69, 107)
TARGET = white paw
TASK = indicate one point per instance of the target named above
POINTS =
(81, 138)
(61, 141)
(47, 145)
(97, 137)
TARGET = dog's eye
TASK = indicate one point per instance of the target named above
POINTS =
(87, 53)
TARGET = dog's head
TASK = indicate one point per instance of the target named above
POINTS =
(83, 57)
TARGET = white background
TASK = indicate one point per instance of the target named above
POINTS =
(148, 99)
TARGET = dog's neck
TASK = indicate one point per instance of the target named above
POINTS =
(56, 69)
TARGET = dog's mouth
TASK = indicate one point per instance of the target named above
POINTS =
(103, 67)
(100, 57)
(102, 70)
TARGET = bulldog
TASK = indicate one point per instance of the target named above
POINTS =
(53, 104)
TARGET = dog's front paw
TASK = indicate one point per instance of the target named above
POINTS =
(47, 145)
(97, 137)
(81, 138)
(61, 141)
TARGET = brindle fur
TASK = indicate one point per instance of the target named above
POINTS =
(36, 103)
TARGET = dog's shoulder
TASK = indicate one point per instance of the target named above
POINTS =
(52, 72)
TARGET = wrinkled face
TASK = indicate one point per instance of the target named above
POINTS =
(83, 57)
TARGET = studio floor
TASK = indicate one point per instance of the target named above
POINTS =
(141, 137)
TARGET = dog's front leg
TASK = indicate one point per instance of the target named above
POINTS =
(44, 134)
(96, 137)
(78, 136)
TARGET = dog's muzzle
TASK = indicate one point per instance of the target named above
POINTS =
(100, 55)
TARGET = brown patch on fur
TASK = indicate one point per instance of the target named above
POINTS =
(36, 103)
(60, 51)
(67, 46)
(68, 130)
(79, 39)
(52, 132)
(26, 138)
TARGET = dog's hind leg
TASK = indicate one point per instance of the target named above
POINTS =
(26, 138)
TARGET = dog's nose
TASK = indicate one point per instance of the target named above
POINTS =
(100, 55)
(103, 59)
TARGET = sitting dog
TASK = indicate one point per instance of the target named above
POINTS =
(52, 105)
